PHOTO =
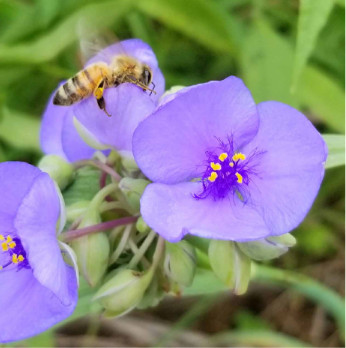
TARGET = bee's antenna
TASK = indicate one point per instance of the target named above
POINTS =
(152, 90)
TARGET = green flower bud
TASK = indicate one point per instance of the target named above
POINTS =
(132, 190)
(152, 296)
(76, 210)
(58, 169)
(129, 163)
(142, 226)
(268, 248)
(123, 292)
(230, 264)
(180, 262)
(92, 250)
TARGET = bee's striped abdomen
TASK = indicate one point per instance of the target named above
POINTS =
(81, 85)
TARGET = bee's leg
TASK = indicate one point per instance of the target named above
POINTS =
(102, 105)
(98, 93)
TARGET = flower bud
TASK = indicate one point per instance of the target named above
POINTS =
(268, 248)
(152, 296)
(180, 262)
(129, 163)
(142, 226)
(230, 264)
(92, 250)
(58, 169)
(76, 210)
(123, 291)
(132, 190)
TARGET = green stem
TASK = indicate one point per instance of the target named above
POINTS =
(142, 250)
(324, 296)
(101, 195)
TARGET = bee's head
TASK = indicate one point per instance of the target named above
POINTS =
(146, 75)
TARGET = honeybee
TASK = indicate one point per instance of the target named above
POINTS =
(98, 76)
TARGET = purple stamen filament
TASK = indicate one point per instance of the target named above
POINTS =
(226, 172)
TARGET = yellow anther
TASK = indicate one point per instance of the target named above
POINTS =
(231, 164)
(14, 258)
(238, 156)
(223, 156)
(20, 258)
(9, 239)
(215, 166)
(4, 246)
(212, 176)
(2, 237)
(12, 245)
(239, 178)
(0, 268)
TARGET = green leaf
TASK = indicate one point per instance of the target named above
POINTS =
(267, 64)
(202, 20)
(323, 97)
(84, 187)
(255, 338)
(99, 15)
(20, 130)
(313, 15)
(336, 150)
(330, 300)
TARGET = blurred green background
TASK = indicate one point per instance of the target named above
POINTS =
(290, 51)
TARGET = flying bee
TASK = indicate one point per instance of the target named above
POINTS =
(98, 76)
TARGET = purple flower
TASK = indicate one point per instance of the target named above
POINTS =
(37, 288)
(226, 169)
(128, 104)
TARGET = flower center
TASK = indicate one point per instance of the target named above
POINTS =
(12, 253)
(226, 171)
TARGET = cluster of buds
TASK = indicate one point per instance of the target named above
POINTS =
(119, 255)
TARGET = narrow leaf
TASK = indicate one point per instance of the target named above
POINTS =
(202, 20)
(48, 46)
(313, 15)
(19, 130)
(323, 97)
(336, 150)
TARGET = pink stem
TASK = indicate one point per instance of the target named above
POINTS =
(104, 167)
(103, 178)
(73, 234)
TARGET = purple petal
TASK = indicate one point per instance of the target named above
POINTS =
(58, 135)
(172, 212)
(29, 308)
(127, 104)
(291, 168)
(137, 49)
(170, 145)
(35, 225)
(16, 179)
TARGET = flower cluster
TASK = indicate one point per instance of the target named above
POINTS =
(142, 189)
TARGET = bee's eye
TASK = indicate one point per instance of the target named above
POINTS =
(147, 76)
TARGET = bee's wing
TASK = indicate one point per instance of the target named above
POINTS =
(94, 42)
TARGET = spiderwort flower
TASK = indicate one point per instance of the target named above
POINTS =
(226, 169)
(127, 103)
(37, 288)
